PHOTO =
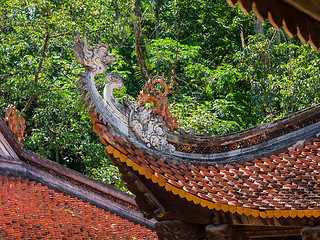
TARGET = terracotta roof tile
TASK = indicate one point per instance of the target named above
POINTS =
(287, 180)
(30, 211)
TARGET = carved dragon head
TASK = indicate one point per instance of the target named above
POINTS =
(95, 58)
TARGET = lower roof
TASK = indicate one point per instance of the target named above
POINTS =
(40, 199)
(30, 210)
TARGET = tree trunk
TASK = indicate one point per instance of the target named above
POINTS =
(3, 25)
(258, 27)
(116, 8)
(139, 41)
(57, 155)
(286, 37)
(278, 37)
(243, 44)
(157, 18)
(157, 25)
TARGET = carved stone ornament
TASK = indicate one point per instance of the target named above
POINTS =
(95, 58)
(148, 125)
(149, 128)
(160, 101)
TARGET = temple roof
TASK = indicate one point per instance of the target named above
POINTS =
(42, 199)
(267, 175)
(31, 210)
(296, 17)
(266, 187)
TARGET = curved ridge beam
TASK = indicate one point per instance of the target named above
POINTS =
(95, 61)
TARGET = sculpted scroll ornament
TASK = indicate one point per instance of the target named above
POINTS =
(149, 128)
(159, 99)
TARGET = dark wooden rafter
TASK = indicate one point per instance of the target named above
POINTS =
(287, 14)
(147, 202)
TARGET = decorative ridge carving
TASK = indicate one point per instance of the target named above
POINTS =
(160, 102)
(15, 122)
(248, 137)
(95, 58)
(149, 128)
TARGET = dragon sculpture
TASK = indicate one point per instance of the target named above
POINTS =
(95, 58)
(160, 102)
(149, 125)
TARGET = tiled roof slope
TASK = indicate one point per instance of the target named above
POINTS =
(30, 210)
(281, 185)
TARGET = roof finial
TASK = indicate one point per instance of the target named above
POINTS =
(15, 122)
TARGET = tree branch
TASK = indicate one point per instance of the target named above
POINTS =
(36, 76)
(139, 41)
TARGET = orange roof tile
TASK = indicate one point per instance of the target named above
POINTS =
(30, 210)
(286, 181)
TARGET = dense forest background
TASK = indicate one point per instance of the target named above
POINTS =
(230, 72)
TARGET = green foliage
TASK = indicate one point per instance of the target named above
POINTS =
(213, 118)
(109, 175)
(37, 66)
(283, 78)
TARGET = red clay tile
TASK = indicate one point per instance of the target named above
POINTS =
(172, 165)
(306, 153)
(170, 177)
(180, 177)
(155, 169)
(60, 218)
(311, 146)
(142, 160)
(175, 171)
(129, 150)
(175, 183)
(102, 127)
(121, 149)
(139, 153)
(161, 162)
(109, 135)
(152, 162)
(166, 170)
(146, 167)
(184, 167)
(97, 130)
